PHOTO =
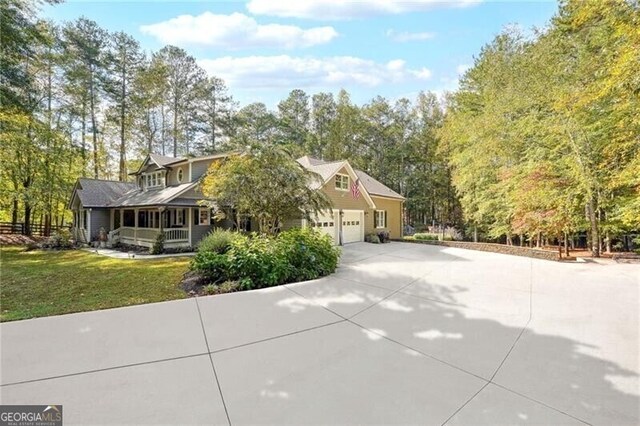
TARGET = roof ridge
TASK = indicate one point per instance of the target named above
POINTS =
(106, 180)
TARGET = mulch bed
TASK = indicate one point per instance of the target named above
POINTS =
(18, 240)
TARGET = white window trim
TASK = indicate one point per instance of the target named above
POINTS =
(208, 221)
(180, 175)
(154, 179)
(335, 182)
(377, 218)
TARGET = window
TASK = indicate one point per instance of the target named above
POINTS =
(342, 182)
(129, 218)
(380, 219)
(204, 217)
(154, 179)
(179, 217)
(180, 175)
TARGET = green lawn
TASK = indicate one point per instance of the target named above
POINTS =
(42, 283)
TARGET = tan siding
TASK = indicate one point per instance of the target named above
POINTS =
(394, 216)
(292, 223)
(343, 200)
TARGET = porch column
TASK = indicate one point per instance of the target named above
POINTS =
(89, 225)
(190, 210)
(111, 215)
(135, 226)
(121, 218)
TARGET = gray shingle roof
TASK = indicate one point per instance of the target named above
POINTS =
(375, 187)
(100, 193)
(151, 197)
(327, 169)
(162, 161)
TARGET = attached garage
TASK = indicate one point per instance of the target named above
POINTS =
(326, 224)
(351, 225)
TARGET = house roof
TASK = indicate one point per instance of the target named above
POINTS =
(100, 193)
(327, 169)
(150, 197)
(375, 187)
(162, 161)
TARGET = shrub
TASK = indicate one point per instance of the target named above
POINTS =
(426, 236)
(384, 236)
(309, 253)
(59, 240)
(158, 244)
(214, 266)
(256, 262)
(225, 287)
(372, 238)
(217, 241)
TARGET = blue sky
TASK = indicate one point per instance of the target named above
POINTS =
(266, 48)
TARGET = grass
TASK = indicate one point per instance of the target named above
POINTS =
(42, 283)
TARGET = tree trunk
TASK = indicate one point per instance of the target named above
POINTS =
(608, 241)
(27, 218)
(175, 127)
(93, 127)
(475, 234)
(123, 149)
(595, 233)
(566, 244)
(509, 241)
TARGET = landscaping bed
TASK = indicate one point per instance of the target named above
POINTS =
(229, 261)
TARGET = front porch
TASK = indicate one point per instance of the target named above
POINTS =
(182, 227)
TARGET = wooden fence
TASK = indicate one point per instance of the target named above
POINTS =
(20, 229)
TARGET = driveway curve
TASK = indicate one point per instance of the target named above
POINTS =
(401, 333)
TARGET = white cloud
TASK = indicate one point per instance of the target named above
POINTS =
(340, 9)
(288, 71)
(404, 36)
(235, 31)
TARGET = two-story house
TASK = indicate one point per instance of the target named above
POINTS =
(165, 198)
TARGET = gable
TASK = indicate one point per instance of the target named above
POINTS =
(344, 199)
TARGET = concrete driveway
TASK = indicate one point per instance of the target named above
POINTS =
(402, 333)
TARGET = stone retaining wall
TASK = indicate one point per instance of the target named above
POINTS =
(494, 248)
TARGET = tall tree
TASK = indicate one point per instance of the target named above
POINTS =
(124, 62)
(217, 109)
(183, 78)
(293, 114)
(84, 45)
(323, 112)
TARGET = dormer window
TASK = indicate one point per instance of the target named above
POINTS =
(154, 180)
(180, 175)
(342, 182)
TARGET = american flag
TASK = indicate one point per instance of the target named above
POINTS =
(355, 189)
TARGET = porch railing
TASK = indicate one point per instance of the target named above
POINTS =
(150, 234)
(114, 236)
(177, 234)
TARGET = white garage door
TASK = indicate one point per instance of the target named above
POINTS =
(326, 224)
(352, 226)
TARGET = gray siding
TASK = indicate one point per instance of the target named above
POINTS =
(199, 168)
(198, 232)
(99, 218)
(172, 175)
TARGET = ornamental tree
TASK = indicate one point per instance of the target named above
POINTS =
(265, 183)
